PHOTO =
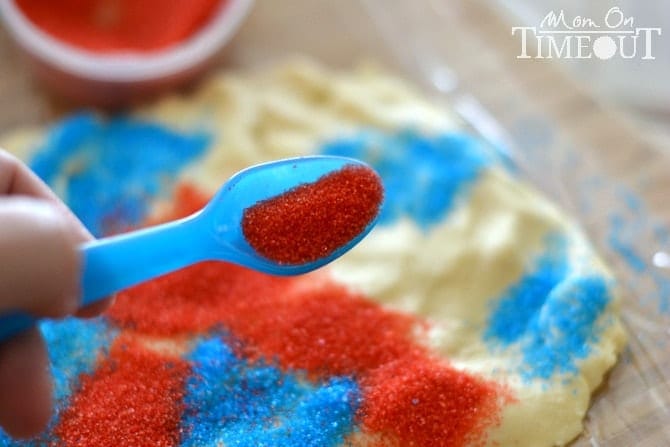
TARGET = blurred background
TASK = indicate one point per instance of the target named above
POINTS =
(417, 37)
(640, 88)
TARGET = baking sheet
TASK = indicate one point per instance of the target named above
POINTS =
(579, 152)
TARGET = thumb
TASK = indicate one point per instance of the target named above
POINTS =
(39, 258)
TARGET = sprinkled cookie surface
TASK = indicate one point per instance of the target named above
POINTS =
(474, 314)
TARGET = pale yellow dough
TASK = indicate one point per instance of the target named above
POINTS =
(450, 274)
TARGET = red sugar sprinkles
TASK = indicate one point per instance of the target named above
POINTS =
(313, 220)
(133, 398)
(312, 324)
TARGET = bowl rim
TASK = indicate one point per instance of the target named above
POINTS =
(126, 66)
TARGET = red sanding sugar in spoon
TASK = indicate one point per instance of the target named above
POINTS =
(313, 220)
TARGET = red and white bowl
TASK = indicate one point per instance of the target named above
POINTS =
(116, 79)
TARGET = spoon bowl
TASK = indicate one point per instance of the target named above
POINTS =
(250, 186)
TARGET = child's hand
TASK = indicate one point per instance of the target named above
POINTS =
(39, 273)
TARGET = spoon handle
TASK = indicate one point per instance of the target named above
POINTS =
(115, 263)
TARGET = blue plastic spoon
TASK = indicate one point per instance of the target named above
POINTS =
(213, 233)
